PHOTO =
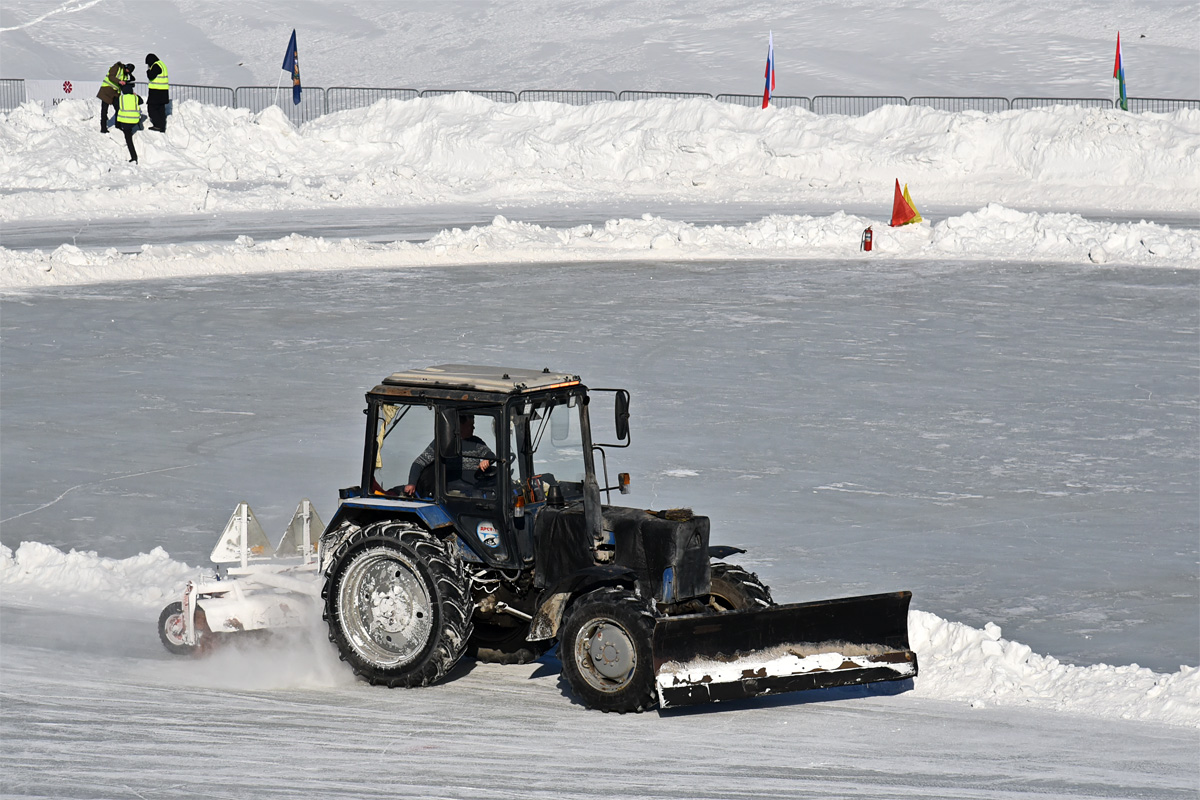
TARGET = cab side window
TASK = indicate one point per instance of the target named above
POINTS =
(402, 434)
(474, 472)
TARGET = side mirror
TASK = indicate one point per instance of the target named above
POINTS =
(449, 445)
(620, 401)
(621, 413)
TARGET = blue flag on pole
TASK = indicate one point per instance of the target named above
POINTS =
(291, 63)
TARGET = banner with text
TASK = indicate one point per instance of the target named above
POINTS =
(51, 93)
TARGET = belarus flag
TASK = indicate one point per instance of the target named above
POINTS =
(770, 87)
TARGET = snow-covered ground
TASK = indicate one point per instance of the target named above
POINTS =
(996, 408)
(1054, 163)
(1061, 184)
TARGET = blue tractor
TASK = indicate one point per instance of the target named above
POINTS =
(481, 526)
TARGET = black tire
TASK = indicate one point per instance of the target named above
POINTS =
(397, 605)
(170, 631)
(735, 589)
(614, 673)
(499, 644)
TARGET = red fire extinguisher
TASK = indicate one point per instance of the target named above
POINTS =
(866, 240)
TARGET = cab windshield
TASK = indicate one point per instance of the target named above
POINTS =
(554, 445)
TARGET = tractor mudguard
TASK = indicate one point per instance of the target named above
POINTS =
(554, 602)
(708, 658)
(364, 510)
(723, 551)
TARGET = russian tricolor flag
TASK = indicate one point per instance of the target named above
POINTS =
(1119, 77)
(770, 87)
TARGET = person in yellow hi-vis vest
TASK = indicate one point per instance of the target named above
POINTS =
(110, 92)
(159, 94)
(129, 117)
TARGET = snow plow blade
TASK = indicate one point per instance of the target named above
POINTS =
(710, 658)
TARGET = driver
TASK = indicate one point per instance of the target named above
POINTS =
(476, 458)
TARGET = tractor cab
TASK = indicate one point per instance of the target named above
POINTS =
(483, 449)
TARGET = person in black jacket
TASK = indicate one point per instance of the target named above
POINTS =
(463, 472)
(159, 93)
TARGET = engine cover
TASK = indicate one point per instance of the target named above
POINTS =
(667, 551)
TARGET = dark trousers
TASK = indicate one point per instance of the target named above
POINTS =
(158, 115)
(104, 107)
(129, 129)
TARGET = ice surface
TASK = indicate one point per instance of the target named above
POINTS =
(1014, 443)
(96, 708)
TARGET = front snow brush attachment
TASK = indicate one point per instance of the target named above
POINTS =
(710, 658)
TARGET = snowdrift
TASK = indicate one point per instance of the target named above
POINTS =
(992, 233)
(958, 663)
(463, 148)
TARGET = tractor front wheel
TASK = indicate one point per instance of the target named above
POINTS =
(605, 649)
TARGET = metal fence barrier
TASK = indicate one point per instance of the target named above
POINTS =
(257, 98)
(494, 95)
(852, 106)
(1049, 102)
(571, 98)
(650, 95)
(1160, 105)
(986, 104)
(777, 100)
(12, 93)
(209, 95)
(316, 102)
(344, 98)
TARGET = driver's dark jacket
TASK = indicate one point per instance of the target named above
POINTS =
(474, 450)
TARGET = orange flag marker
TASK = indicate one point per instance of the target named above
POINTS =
(904, 211)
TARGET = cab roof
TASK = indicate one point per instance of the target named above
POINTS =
(505, 380)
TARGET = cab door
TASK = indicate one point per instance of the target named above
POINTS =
(472, 469)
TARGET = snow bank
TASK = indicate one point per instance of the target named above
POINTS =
(957, 662)
(992, 233)
(463, 148)
(966, 664)
(43, 576)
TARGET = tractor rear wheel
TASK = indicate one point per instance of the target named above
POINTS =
(735, 589)
(397, 604)
(605, 649)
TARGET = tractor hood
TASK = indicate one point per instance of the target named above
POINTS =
(666, 550)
